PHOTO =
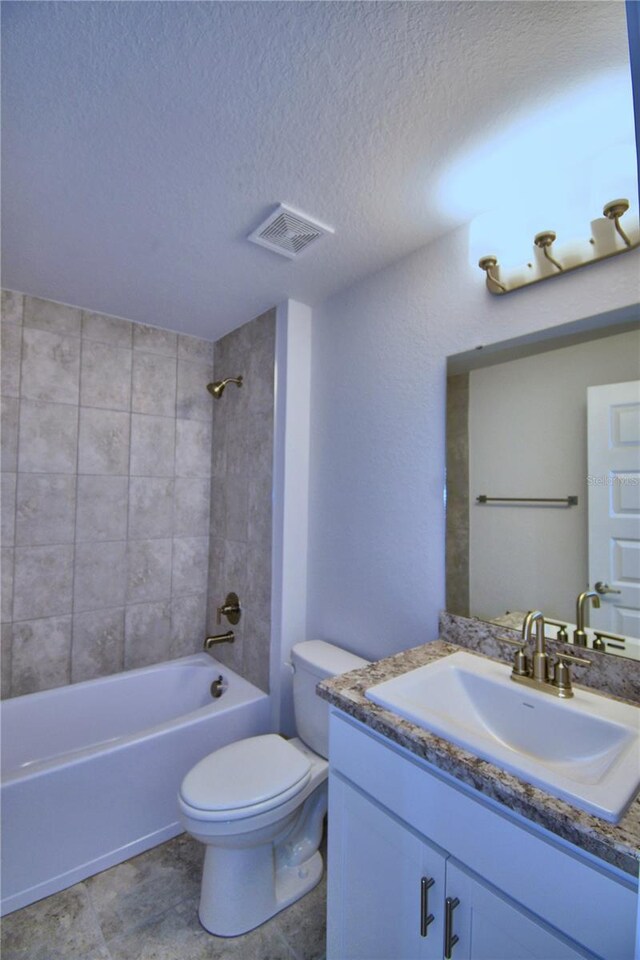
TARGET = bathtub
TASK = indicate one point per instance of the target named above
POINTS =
(90, 772)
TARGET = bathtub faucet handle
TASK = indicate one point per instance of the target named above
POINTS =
(230, 609)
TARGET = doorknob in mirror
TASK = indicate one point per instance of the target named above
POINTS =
(601, 587)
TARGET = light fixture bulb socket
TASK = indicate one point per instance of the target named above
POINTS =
(545, 238)
(615, 208)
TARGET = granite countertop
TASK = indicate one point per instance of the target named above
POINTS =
(617, 844)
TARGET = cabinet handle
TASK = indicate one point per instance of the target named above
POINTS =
(450, 938)
(425, 917)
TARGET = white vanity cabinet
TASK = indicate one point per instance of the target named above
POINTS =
(404, 839)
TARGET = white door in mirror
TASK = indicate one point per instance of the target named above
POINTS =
(614, 505)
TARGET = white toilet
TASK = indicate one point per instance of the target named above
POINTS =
(259, 805)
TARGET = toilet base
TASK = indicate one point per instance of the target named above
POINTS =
(255, 867)
(226, 918)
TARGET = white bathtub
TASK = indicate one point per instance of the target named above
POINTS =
(90, 772)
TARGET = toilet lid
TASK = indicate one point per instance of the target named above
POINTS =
(245, 774)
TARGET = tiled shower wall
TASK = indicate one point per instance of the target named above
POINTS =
(106, 464)
(242, 458)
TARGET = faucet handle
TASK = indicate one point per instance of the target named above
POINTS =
(520, 659)
(579, 660)
(562, 673)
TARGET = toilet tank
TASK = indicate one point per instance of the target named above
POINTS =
(313, 661)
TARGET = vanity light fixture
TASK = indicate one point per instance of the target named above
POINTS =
(602, 245)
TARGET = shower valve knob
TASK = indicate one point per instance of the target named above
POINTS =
(230, 609)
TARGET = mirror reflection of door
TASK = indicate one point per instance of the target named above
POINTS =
(614, 505)
(517, 427)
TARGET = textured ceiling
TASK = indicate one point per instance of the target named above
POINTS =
(143, 141)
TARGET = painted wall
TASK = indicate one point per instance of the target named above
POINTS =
(376, 557)
(528, 437)
(242, 477)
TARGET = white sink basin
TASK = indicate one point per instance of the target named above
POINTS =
(585, 750)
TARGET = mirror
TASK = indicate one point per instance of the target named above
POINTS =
(518, 435)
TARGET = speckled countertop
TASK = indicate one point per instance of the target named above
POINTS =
(617, 844)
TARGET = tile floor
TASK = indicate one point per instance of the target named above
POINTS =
(146, 909)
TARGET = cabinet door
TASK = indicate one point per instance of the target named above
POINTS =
(491, 927)
(380, 889)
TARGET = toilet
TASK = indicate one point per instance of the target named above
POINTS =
(259, 804)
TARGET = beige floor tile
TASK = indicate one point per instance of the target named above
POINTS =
(61, 927)
(178, 934)
(132, 893)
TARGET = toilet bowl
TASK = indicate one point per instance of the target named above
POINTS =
(259, 804)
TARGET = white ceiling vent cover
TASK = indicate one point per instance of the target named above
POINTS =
(288, 232)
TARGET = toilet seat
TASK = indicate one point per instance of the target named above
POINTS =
(245, 778)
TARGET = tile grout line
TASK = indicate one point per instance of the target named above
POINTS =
(94, 913)
(123, 664)
(173, 499)
(15, 502)
(75, 517)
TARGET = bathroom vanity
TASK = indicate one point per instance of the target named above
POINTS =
(435, 853)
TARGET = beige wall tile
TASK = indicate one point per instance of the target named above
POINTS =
(103, 441)
(193, 399)
(154, 340)
(48, 437)
(43, 581)
(154, 385)
(193, 448)
(150, 507)
(48, 315)
(12, 307)
(190, 565)
(102, 508)
(191, 507)
(100, 575)
(10, 356)
(188, 624)
(97, 648)
(152, 446)
(50, 367)
(6, 639)
(113, 330)
(193, 348)
(40, 655)
(105, 379)
(7, 560)
(147, 636)
(149, 576)
(9, 412)
(7, 509)
(45, 509)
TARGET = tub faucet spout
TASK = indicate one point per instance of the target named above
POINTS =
(227, 637)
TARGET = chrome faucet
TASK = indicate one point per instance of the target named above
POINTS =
(579, 634)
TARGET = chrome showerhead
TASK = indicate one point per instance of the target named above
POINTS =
(216, 388)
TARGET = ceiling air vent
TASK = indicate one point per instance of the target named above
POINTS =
(288, 232)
